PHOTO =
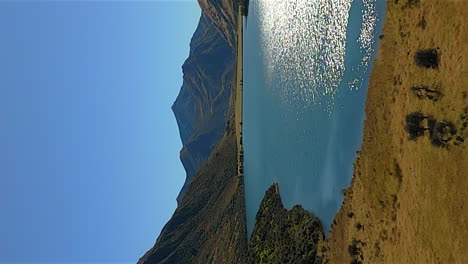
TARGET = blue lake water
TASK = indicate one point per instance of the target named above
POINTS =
(306, 68)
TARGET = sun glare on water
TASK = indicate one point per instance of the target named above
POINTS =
(304, 46)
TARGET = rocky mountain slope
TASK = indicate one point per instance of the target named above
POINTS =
(201, 108)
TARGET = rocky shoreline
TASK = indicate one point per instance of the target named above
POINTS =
(283, 236)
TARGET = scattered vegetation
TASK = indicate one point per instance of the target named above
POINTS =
(359, 226)
(424, 92)
(398, 171)
(423, 23)
(354, 251)
(415, 126)
(459, 140)
(442, 133)
(412, 3)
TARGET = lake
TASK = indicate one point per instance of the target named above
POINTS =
(306, 68)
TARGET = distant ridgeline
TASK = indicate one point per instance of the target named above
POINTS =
(202, 107)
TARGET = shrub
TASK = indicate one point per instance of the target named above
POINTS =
(423, 92)
(414, 125)
(427, 58)
(442, 133)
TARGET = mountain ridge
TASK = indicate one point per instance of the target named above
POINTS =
(201, 108)
(208, 225)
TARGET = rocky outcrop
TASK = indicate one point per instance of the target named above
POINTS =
(201, 108)
(282, 236)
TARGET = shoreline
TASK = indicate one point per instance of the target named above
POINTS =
(405, 203)
(238, 105)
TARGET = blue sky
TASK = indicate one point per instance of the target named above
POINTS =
(89, 148)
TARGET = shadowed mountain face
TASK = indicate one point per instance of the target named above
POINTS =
(201, 109)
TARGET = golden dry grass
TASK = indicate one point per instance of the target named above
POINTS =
(409, 196)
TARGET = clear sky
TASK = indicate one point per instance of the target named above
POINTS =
(89, 148)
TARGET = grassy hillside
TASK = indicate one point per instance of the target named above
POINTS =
(407, 200)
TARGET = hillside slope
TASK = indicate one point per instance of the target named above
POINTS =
(209, 223)
(407, 200)
(223, 15)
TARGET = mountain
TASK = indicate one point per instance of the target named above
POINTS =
(209, 225)
(201, 108)
(223, 14)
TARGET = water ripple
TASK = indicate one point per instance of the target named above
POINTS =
(365, 40)
(303, 45)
